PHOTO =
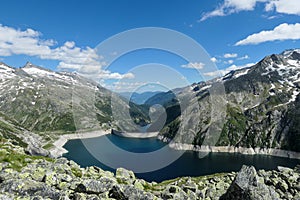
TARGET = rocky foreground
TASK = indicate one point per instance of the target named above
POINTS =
(33, 177)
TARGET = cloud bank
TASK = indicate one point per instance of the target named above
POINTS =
(29, 42)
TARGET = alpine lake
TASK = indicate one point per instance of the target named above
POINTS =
(188, 164)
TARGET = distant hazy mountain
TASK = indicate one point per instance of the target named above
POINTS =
(139, 98)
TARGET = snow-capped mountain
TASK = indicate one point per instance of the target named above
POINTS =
(39, 99)
(262, 106)
(51, 103)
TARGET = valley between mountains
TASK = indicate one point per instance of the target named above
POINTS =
(260, 107)
(258, 111)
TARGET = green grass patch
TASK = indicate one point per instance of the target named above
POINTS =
(48, 146)
(16, 160)
(234, 127)
(77, 172)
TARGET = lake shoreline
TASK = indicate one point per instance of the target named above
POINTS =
(135, 135)
(58, 150)
(231, 149)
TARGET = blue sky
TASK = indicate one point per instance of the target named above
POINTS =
(60, 34)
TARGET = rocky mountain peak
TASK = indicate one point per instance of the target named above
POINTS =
(289, 52)
(28, 64)
(295, 55)
(285, 64)
(276, 58)
(34, 69)
(4, 64)
(5, 67)
(6, 71)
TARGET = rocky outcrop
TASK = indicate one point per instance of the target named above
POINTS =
(36, 151)
(247, 185)
(63, 179)
(34, 177)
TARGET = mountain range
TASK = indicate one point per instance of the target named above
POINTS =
(256, 107)
(259, 106)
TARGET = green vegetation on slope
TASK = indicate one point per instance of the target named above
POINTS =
(15, 157)
(234, 127)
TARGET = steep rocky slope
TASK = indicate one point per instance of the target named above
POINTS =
(261, 106)
(50, 103)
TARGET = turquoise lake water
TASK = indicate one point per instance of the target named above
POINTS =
(188, 164)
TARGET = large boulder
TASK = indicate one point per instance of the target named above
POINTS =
(117, 193)
(249, 186)
(125, 176)
(92, 186)
(29, 188)
(36, 151)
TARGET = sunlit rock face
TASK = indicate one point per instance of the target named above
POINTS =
(261, 107)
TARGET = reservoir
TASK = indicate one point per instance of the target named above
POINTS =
(189, 164)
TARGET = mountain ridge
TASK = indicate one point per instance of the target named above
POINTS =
(261, 109)
(261, 106)
(50, 103)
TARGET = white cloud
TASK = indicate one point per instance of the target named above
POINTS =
(109, 75)
(123, 86)
(219, 12)
(243, 57)
(282, 32)
(214, 73)
(229, 7)
(70, 44)
(230, 61)
(28, 42)
(284, 6)
(230, 55)
(194, 65)
(239, 5)
(272, 17)
(214, 59)
(222, 72)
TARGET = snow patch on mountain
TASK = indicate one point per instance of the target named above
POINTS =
(6, 72)
(241, 73)
(37, 71)
(289, 52)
